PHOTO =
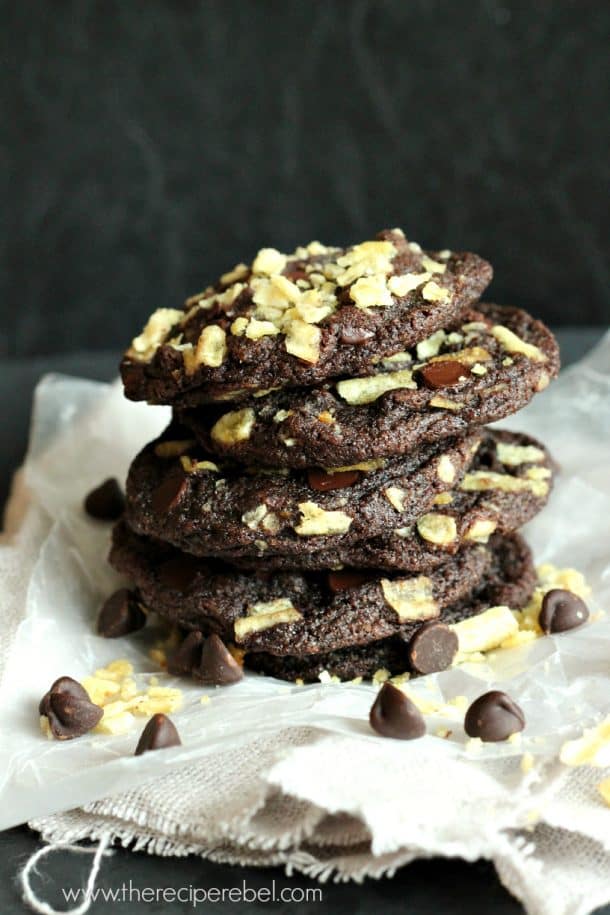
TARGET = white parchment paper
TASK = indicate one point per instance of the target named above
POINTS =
(83, 432)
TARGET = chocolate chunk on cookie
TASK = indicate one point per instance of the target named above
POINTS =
(298, 612)
(507, 484)
(509, 581)
(288, 512)
(299, 319)
(503, 357)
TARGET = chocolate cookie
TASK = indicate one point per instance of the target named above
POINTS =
(510, 581)
(202, 508)
(506, 485)
(480, 369)
(296, 612)
(299, 319)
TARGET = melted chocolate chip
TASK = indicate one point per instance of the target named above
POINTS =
(168, 493)
(69, 710)
(178, 573)
(493, 716)
(344, 580)
(106, 502)
(394, 715)
(443, 374)
(158, 734)
(120, 615)
(562, 610)
(217, 667)
(187, 656)
(432, 648)
(323, 482)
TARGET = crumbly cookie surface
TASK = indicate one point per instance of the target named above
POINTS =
(178, 495)
(481, 369)
(298, 319)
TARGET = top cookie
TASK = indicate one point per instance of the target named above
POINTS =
(299, 319)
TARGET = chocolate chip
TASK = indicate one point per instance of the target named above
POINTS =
(158, 734)
(433, 647)
(217, 667)
(323, 482)
(178, 573)
(443, 374)
(562, 610)
(120, 615)
(394, 715)
(354, 335)
(344, 580)
(493, 716)
(106, 502)
(69, 710)
(187, 656)
(168, 493)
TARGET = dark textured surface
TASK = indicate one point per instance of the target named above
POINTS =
(435, 887)
(397, 421)
(148, 146)
(208, 519)
(350, 339)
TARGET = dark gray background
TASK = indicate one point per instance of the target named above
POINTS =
(150, 145)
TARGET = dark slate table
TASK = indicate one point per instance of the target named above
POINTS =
(433, 886)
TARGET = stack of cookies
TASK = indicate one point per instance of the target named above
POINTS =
(326, 497)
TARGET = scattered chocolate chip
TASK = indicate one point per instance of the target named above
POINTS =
(443, 374)
(69, 710)
(354, 335)
(323, 482)
(394, 715)
(158, 734)
(168, 493)
(562, 610)
(187, 656)
(493, 716)
(106, 502)
(120, 615)
(178, 573)
(217, 667)
(344, 580)
(433, 647)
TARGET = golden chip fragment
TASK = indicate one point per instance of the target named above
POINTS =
(432, 292)
(396, 497)
(481, 530)
(514, 455)
(436, 528)
(443, 402)
(411, 598)
(264, 615)
(238, 272)
(173, 449)
(234, 427)
(256, 329)
(405, 283)
(144, 346)
(191, 465)
(445, 469)
(483, 480)
(514, 344)
(428, 348)
(370, 292)
(303, 340)
(486, 630)
(269, 261)
(358, 391)
(211, 349)
(315, 521)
